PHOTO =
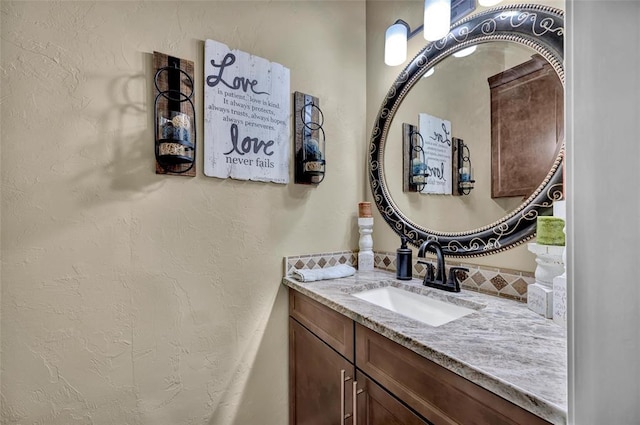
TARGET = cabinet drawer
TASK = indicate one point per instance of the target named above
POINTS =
(436, 393)
(329, 325)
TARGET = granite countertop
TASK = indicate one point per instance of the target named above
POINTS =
(504, 347)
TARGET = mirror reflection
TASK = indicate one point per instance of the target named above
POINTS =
(458, 90)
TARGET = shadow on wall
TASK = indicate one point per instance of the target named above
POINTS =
(253, 386)
(125, 135)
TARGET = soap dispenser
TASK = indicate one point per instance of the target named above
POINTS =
(404, 263)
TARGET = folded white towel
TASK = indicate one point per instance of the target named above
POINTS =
(306, 275)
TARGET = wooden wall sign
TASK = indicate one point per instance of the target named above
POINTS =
(175, 130)
(247, 111)
(436, 136)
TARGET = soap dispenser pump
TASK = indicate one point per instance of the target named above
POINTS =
(404, 261)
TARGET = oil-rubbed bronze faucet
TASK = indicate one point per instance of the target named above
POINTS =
(438, 278)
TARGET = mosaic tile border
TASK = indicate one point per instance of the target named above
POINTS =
(319, 261)
(506, 283)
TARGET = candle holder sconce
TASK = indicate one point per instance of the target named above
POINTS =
(310, 159)
(174, 116)
(414, 159)
(463, 171)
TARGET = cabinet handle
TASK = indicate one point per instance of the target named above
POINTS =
(343, 379)
(356, 391)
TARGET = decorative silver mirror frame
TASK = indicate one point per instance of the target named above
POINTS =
(539, 27)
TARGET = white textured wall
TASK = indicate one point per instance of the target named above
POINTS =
(604, 204)
(133, 298)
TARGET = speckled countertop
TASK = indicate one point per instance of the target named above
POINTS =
(503, 347)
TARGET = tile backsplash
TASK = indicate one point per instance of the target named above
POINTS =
(319, 261)
(501, 282)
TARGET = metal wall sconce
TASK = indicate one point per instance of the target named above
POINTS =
(414, 159)
(310, 161)
(418, 175)
(465, 181)
(438, 16)
(174, 116)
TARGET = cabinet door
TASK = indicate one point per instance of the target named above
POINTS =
(377, 407)
(320, 381)
(527, 126)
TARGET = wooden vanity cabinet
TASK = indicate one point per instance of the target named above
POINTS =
(393, 385)
(321, 371)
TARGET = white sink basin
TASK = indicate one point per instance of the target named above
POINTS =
(416, 306)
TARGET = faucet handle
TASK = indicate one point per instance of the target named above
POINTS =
(453, 278)
(430, 272)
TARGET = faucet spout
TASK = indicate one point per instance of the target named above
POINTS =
(438, 279)
(440, 276)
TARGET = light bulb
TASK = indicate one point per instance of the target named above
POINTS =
(488, 3)
(395, 44)
(437, 19)
(465, 52)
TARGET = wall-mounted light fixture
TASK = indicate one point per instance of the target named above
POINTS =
(438, 16)
(437, 19)
(395, 43)
(174, 116)
(429, 72)
(465, 52)
(465, 170)
(310, 159)
(418, 174)
(488, 3)
(414, 159)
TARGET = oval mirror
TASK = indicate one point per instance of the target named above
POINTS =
(506, 38)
